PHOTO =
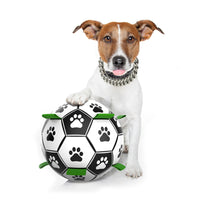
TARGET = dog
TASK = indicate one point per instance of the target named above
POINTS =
(114, 82)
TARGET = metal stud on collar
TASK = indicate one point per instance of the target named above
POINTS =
(119, 81)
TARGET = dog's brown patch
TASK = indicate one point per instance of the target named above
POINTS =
(131, 49)
(106, 49)
(140, 31)
(146, 28)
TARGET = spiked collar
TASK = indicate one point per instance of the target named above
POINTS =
(111, 79)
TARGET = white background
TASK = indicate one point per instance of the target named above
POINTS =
(42, 62)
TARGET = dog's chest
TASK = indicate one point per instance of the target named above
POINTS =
(121, 100)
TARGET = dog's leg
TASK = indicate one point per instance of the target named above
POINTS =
(133, 168)
(79, 98)
(126, 139)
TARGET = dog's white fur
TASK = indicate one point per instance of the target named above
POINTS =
(121, 100)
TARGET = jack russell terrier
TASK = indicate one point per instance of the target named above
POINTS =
(114, 82)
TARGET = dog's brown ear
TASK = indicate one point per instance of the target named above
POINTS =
(146, 28)
(90, 28)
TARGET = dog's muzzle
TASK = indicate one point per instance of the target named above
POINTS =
(118, 63)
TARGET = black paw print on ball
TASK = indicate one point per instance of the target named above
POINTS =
(76, 154)
(51, 133)
(104, 134)
(96, 108)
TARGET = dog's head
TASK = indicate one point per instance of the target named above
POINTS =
(118, 43)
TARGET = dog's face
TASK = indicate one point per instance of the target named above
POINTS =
(118, 43)
(118, 46)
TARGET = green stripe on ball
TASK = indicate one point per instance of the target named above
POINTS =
(50, 116)
(121, 116)
(119, 166)
(104, 116)
(44, 164)
(71, 171)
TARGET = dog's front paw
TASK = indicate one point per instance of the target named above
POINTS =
(77, 99)
(133, 170)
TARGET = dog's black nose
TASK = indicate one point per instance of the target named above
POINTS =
(119, 61)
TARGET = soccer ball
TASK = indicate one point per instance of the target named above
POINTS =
(82, 142)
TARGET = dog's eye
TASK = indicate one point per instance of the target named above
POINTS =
(107, 39)
(131, 39)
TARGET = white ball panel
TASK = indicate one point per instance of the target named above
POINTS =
(118, 149)
(102, 135)
(52, 134)
(76, 152)
(93, 108)
(61, 111)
